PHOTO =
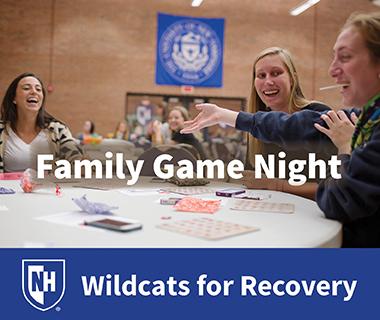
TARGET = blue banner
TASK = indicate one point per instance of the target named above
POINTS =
(189, 51)
(189, 283)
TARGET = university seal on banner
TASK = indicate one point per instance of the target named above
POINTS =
(43, 282)
(190, 51)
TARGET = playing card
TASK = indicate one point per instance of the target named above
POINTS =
(252, 205)
(207, 228)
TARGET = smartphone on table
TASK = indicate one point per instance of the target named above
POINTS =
(116, 224)
(231, 192)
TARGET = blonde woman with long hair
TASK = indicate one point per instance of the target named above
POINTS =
(275, 87)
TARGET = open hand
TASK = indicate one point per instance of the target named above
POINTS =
(340, 129)
(208, 116)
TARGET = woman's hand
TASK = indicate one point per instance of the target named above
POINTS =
(340, 129)
(210, 115)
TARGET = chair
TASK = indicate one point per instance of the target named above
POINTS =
(177, 152)
(191, 149)
(221, 151)
(97, 151)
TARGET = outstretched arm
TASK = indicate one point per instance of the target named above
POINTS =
(210, 114)
(286, 130)
(289, 131)
(275, 127)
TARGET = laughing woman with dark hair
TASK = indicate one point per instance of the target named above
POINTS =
(26, 129)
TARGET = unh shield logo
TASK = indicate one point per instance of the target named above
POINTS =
(190, 51)
(191, 46)
(43, 282)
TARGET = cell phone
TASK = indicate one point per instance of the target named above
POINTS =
(122, 225)
(229, 192)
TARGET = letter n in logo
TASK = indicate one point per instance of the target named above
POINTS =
(43, 282)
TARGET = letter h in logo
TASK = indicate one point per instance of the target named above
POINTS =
(43, 282)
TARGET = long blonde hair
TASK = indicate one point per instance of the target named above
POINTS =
(182, 110)
(297, 99)
(125, 133)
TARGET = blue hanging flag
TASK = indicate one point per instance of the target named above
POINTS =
(189, 51)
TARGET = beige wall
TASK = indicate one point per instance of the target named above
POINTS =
(102, 49)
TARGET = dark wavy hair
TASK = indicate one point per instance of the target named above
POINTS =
(92, 126)
(9, 110)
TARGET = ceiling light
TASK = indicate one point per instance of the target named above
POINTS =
(303, 7)
(196, 3)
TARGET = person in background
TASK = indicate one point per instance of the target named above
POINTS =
(275, 87)
(121, 131)
(176, 119)
(88, 135)
(26, 129)
(160, 130)
(353, 199)
(162, 111)
(138, 138)
(88, 129)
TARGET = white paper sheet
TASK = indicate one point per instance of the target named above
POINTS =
(73, 218)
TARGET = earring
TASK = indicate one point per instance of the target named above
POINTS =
(14, 102)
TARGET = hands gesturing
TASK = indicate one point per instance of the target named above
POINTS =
(340, 129)
(209, 115)
(206, 118)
